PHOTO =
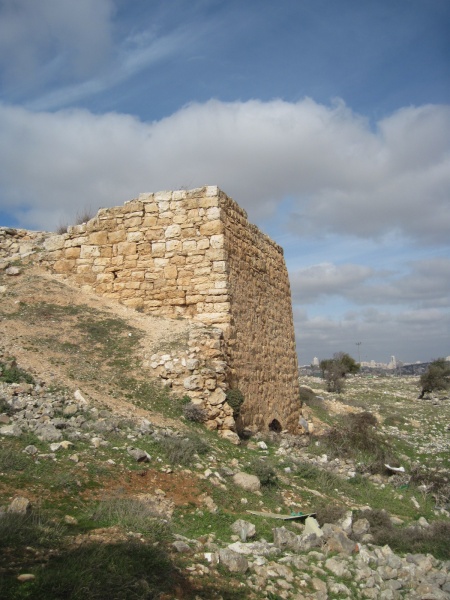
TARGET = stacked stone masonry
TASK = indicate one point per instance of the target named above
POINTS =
(193, 254)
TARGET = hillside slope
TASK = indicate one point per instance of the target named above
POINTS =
(109, 491)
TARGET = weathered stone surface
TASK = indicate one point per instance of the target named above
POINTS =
(234, 562)
(194, 254)
(244, 529)
(247, 482)
(20, 505)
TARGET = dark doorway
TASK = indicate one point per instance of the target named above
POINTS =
(275, 425)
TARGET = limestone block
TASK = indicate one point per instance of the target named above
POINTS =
(158, 249)
(217, 241)
(161, 262)
(170, 272)
(55, 242)
(64, 266)
(173, 245)
(132, 222)
(163, 196)
(149, 221)
(72, 252)
(189, 246)
(126, 248)
(98, 238)
(194, 299)
(106, 252)
(146, 197)
(211, 228)
(215, 254)
(203, 244)
(211, 191)
(133, 206)
(187, 232)
(221, 307)
(114, 237)
(217, 397)
(219, 266)
(173, 231)
(179, 194)
(151, 208)
(194, 382)
(133, 302)
(76, 241)
(134, 236)
(154, 233)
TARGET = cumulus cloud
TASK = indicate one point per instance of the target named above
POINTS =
(426, 284)
(339, 174)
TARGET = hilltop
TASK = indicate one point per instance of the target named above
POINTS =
(109, 490)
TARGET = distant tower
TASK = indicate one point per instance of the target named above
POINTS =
(315, 362)
(393, 363)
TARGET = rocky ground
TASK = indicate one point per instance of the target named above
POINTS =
(93, 450)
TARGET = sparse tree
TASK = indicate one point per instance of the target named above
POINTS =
(436, 377)
(334, 370)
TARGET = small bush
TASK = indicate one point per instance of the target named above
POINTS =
(5, 407)
(329, 512)
(131, 514)
(265, 472)
(235, 399)
(11, 373)
(182, 451)
(434, 483)
(12, 460)
(84, 216)
(194, 412)
(357, 438)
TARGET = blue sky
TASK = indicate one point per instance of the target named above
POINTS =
(328, 121)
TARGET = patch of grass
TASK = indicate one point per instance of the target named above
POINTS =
(124, 571)
(12, 460)
(183, 451)
(11, 373)
(131, 514)
(36, 528)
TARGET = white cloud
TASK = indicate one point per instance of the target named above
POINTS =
(340, 175)
(327, 279)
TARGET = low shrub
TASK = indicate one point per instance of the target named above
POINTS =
(194, 412)
(265, 471)
(329, 512)
(434, 483)
(13, 460)
(183, 451)
(11, 373)
(235, 399)
(131, 514)
(357, 438)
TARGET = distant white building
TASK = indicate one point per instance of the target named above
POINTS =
(392, 363)
(315, 362)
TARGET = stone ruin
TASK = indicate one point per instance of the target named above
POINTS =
(194, 255)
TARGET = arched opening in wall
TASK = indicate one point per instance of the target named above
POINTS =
(275, 426)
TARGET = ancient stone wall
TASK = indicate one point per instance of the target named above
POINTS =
(261, 343)
(193, 254)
